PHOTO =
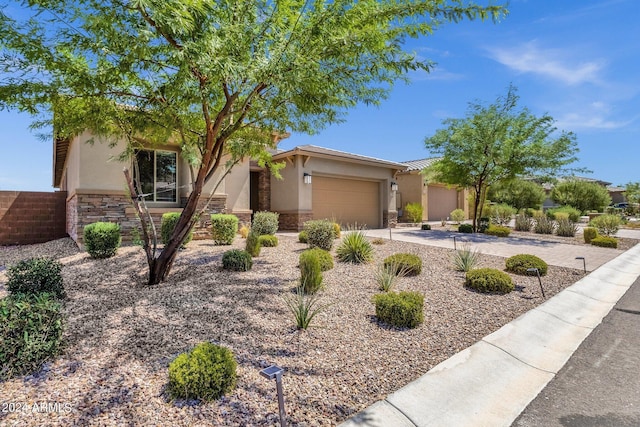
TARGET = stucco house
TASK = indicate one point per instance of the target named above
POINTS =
(317, 183)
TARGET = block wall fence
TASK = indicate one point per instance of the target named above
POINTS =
(28, 217)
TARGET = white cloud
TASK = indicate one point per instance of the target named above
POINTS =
(436, 73)
(556, 64)
(590, 119)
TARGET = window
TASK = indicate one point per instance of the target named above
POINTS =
(157, 175)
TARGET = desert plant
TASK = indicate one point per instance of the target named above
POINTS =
(102, 239)
(501, 214)
(253, 244)
(557, 213)
(465, 259)
(355, 248)
(606, 225)
(206, 372)
(519, 193)
(320, 233)
(497, 230)
(223, 228)
(489, 280)
(589, 233)
(465, 228)
(244, 231)
(387, 275)
(403, 310)
(237, 260)
(36, 275)
(519, 264)
(378, 241)
(310, 272)
(265, 223)
(268, 241)
(425, 227)
(605, 242)
(411, 263)
(582, 195)
(483, 224)
(325, 258)
(566, 228)
(523, 222)
(413, 211)
(303, 237)
(543, 225)
(304, 307)
(31, 327)
(457, 215)
(168, 223)
(337, 230)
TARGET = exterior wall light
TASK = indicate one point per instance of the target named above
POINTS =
(394, 186)
(274, 372)
(306, 178)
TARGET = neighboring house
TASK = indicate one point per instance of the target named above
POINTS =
(317, 183)
(437, 200)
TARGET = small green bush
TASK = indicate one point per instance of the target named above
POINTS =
(605, 242)
(501, 214)
(265, 223)
(489, 280)
(268, 241)
(607, 225)
(465, 228)
(253, 244)
(167, 224)
(523, 222)
(310, 272)
(207, 372)
(403, 310)
(320, 233)
(36, 275)
(572, 213)
(543, 225)
(497, 230)
(31, 327)
(409, 262)
(413, 211)
(223, 228)
(457, 215)
(589, 234)
(355, 248)
(102, 239)
(519, 264)
(337, 231)
(325, 258)
(237, 260)
(426, 227)
(566, 228)
(303, 237)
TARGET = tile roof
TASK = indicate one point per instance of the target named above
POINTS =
(415, 165)
(329, 152)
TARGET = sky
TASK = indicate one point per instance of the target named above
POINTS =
(576, 60)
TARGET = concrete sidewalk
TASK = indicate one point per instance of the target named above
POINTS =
(493, 381)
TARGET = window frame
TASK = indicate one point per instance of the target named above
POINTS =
(154, 201)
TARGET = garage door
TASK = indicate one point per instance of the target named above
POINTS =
(441, 201)
(349, 201)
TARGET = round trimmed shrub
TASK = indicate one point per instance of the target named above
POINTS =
(102, 239)
(519, 264)
(268, 241)
(355, 248)
(253, 244)
(207, 372)
(325, 258)
(34, 276)
(426, 227)
(589, 233)
(409, 263)
(465, 228)
(168, 223)
(303, 237)
(489, 280)
(265, 223)
(403, 310)
(605, 242)
(497, 230)
(320, 233)
(224, 228)
(237, 260)
(310, 272)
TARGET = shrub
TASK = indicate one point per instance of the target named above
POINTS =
(168, 223)
(606, 225)
(426, 227)
(501, 214)
(31, 328)
(310, 272)
(519, 264)
(337, 231)
(483, 224)
(325, 258)
(268, 241)
(387, 275)
(244, 231)
(572, 213)
(403, 310)
(498, 230)
(412, 263)
(523, 222)
(304, 308)
(465, 228)
(265, 223)
(36, 275)
(465, 259)
(355, 248)
(457, 215)
(543, 225)
(378, 241)
(589, 234)
(413, 211)
(207, 372)
(319, 233)
(237, 260)
(253, 244)
(605, 242)
(224, 228)
(566, 228)
(489, 280)
(102, 239)
(303, 237)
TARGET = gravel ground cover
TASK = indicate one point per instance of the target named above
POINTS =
(121, 335)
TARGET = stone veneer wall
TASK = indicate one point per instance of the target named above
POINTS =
(264, 190)
(28, 217)
(389, 219)
(293, 221)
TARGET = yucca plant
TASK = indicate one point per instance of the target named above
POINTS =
(466, 259)
(387, 275)
(355, 248)
(304, 307)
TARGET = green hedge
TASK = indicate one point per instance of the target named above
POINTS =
(411, 264)
(589, 233)
(325, 258)
(498, 230)
(167, 224)
(102, 239)
(489, 280)
(402, 309)
(605, 242)
(34, 276)
(465, 228)
(519, 264)
(223, 228)
(265, 223)
(237, 260)
(268, 241)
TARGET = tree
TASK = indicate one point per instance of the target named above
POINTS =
(497, 143)
(519, 193)
(219, 78)
(632, 192)
(582, 195)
